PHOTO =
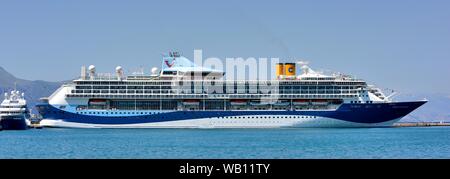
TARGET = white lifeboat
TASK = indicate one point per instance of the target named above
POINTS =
(301, 102)
(320, 102)
(281, 103)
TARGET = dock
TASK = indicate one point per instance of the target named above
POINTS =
(421, 124)
(35, 126)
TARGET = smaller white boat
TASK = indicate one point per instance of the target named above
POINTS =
(14, 113)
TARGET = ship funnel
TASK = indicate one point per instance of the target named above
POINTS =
(285, 70)
(119, 72)
(289, 70)
(279, 70)
(91, 71)
(174, 59)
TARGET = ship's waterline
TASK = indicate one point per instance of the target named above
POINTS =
(245, 122)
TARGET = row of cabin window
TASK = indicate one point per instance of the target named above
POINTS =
(214, 92)
(225, 82)
(193, 96)
(359, 102)
(225, 87)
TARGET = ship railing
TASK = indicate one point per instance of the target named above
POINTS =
(271, 81)
(206, 96)
(211, 91)
(217, 95)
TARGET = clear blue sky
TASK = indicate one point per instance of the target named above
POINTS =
(404, 45)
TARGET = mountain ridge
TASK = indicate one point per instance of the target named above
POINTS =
(33, 89)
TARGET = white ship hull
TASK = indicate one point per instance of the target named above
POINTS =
(243, 122)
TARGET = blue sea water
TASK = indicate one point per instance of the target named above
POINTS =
(417, 142)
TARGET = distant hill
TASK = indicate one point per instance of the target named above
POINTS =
(437, 109)
(33, 89)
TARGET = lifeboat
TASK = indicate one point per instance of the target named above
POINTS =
(319, 102)
(281, 103)
(238, 102)
(191, 102)
(301, 102)
(97, 102)
(258, 103)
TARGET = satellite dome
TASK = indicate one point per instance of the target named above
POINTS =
(91, 68)
(119, 68)
(154, 70)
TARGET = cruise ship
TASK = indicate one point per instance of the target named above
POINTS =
(14, 113)
(184, 95)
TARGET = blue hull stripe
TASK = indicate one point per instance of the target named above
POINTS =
(359, 113)
(13, 124)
